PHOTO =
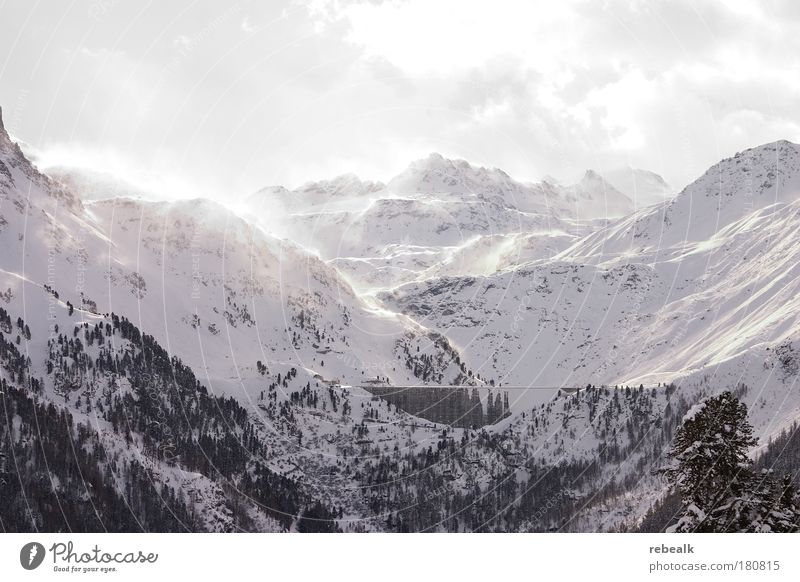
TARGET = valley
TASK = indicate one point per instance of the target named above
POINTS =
(453, 350)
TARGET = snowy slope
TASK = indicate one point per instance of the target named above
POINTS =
(458, 179)
(343, 190)
(642, 186)
(593, 197)
(92, 185)
(476, 276)
(701, 290)
(252, 316)
(216, 291)
(696, 286)
(728, 191)
(237, 296)
(429, 215)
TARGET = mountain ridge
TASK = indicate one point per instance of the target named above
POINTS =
(123, 307)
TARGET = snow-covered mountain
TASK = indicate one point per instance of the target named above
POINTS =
(431, 214)
(704, 284)
(240, 381)
(198, 277)
(458, 179)
(642, 186)
(700, 290)
(755, 180)
(119, 302)
(593, 197)
(92, 184)
(343, 190)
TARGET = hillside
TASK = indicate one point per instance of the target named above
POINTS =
(259, 387)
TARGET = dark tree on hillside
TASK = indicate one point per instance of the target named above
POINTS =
(711, 471)
(317, 519)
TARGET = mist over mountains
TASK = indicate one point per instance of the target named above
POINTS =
(230, 370)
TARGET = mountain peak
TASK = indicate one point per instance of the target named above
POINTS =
(592, 176)
(751, 179)
(770, 171)
(7, 145)
(777, 145)
(768, 153)
(595, 197)
(345, 185)
(548, 179)
(436, 161)
(4, 137)
(437, 173)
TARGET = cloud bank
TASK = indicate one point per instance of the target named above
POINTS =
(224, 100)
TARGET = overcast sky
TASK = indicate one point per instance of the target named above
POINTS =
(220, 99)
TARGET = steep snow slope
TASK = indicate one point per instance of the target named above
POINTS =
(239, 296)
(252, 316)
(92, 185)
(544, 324)
(408, 221)
(345, 190)
(430, 214)
(480, 255)
(701, 290)
(594, 197)
(728, 191)
(435, 202)
(457, 179)
(215, 291)
(704, 284)
(641, 186)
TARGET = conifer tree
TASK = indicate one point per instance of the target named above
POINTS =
(711, 470)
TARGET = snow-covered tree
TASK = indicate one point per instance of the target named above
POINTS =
(771, 506)
(714, 476)
(709, 464)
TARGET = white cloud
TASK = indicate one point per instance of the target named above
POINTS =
(158, 179)
(247, 27)
(446, 36)
(610, 78)
(328, 86)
